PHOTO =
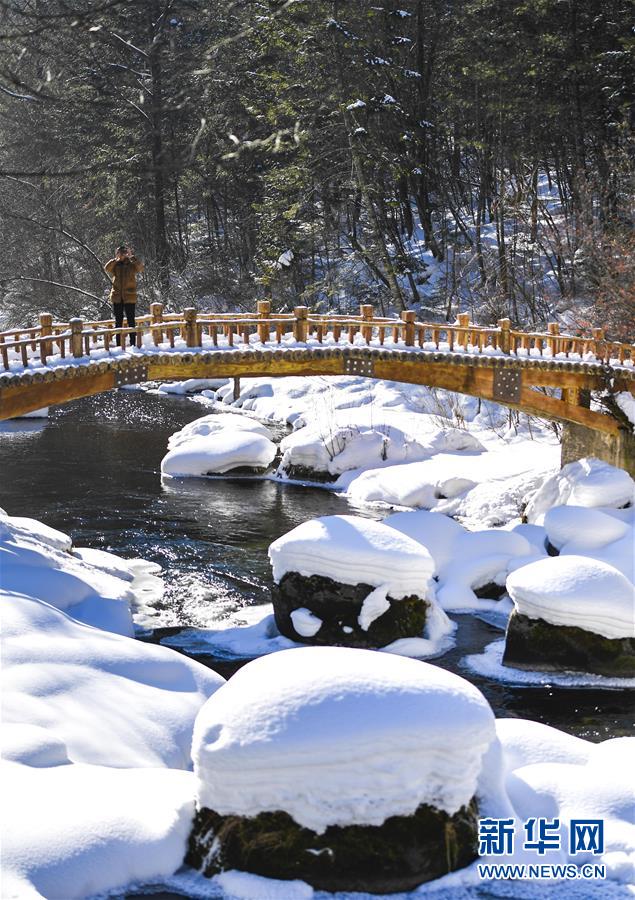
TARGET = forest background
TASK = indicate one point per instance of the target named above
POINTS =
(441, 155)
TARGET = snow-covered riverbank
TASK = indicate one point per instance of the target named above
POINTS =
(97, 727)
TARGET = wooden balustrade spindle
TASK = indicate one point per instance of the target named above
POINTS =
(278, 332)
(337, 331)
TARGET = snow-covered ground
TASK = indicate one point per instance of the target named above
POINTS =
(96, 726)
(98, 795)
(391, 444)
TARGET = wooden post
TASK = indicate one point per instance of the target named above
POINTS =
(156, 311)
(553, 328)
(598, 342)
(189, 315)
(264, 312)
(5, 353)
(46, 328)
(367, 311)
(76, 337)
(236, 388)
(504, 340)
(464, 336)
(300, 326)
(408, 316)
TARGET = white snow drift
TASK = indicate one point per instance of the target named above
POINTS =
(335, 736)
(96, 727)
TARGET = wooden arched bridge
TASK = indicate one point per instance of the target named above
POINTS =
(544, 374)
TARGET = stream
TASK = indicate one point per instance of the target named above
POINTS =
(92, 470)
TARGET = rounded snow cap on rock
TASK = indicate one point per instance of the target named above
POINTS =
(335, 736)
(587, 482)
(354, 550)
(575, 591)
(584, 527)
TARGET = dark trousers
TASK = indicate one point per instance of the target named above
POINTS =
(118, 309)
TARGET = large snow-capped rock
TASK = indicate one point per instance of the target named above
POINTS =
(582, 528)
(346, 548)
(571, 613)
(304, 740)
(576, 591)
(214, 423)
(219, 452)
(588, 482)
(336, 736)
(353, 581)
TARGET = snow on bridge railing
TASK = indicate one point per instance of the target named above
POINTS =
(50, 342)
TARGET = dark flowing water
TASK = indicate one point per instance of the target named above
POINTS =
(92, 470)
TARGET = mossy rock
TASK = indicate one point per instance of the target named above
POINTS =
(338, 606)
(536, 644)
(490, 591)
(305, 473)
(397, 856)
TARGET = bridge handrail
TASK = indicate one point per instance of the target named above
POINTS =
(79, 337)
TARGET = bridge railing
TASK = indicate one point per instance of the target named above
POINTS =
(40, 345)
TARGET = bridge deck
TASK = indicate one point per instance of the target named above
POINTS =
(542, 374)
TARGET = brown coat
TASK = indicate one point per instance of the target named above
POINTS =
(123, 274)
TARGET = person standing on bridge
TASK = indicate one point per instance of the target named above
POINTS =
(122, 270)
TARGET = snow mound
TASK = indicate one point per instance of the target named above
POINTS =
(214, 423)
(435, 531)
(477, 559)
(588, 482)
(98, 697)
(354, 550)
(484, 488)
(219, 452)
(35, 561)
(74, 831)
(586, 528)
(357, 439)
(336, 736)
(526, 742)
(575, 591)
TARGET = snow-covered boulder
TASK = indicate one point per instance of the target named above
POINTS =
(214, 423)
(571, 612)
(345, 768)
(588, 482)
(353, 581)
(219, 452)
(582, 528)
